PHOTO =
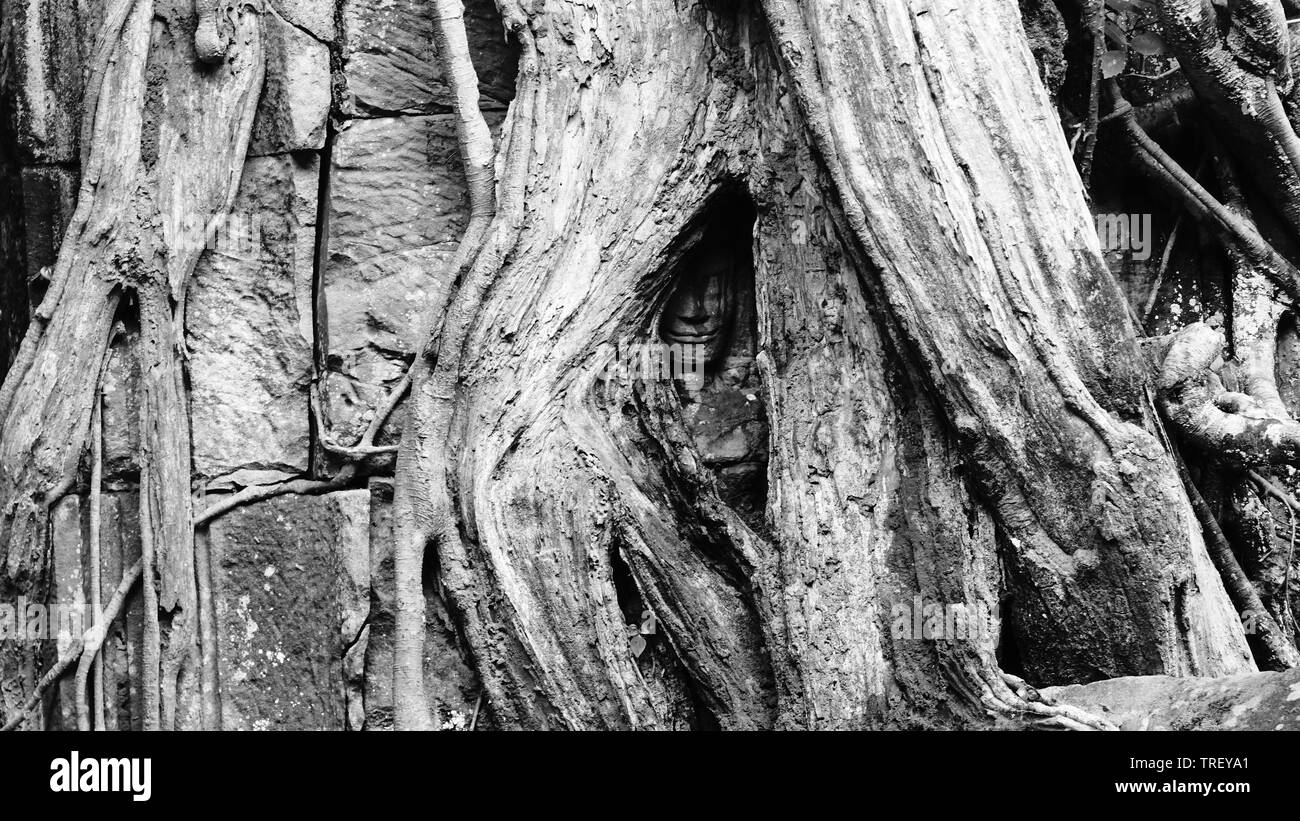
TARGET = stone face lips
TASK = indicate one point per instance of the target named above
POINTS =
(249, 325)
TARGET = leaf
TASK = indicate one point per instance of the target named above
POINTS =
(1116, 34)
(638, 646)
(1112, 63)
(1148, 44)
(648, 626)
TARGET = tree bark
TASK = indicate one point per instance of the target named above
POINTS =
(951, 258)
(154, 164)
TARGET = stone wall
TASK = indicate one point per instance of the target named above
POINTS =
(351, 200)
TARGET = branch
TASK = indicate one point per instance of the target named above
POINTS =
(84, 669)
(1238, 80)
(1236, 233)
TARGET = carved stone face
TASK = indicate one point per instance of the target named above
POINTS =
(702, 308)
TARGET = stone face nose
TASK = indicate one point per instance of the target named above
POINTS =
(690, 308)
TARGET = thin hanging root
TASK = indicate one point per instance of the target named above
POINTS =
(478, 705)
(476, 150)
(208, 674)
(86, 647)
(1240, 590)
(1149, 306)
(152, 650)
(1292, 507)
(1286, 580)
(249, 495)
(96, 663)
(474, 275)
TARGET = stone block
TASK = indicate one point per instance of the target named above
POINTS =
(249, 327)
(289, 588)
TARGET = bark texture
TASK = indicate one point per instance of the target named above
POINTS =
(163, 143)
(957, 415)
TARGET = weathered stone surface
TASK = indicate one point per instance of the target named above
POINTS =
(354, 599)
(295, 102)
(120, 390)
(390, 65)
(50, 41)
(452, 686)
(124, 644)
(249, 326)
(49, 198)
(397, 204)
(13, 264)
(316, 16)
(288, 600)
(67, 604)
(1251, 701)
(70, 598)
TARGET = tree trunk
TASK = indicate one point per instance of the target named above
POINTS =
(964, 487)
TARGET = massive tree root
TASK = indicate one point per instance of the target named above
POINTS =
(1017, 341)
(954, 422)
(1238, 63)
(531, 481)
(151, 166)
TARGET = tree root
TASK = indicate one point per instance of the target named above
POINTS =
(366, 446)
(258, 493)
(1292, 506)
(1234, 231)
(1002, 695)
(421, 509)
(96, 706)
(152, 651)
(1232, 427)
(86, 647)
